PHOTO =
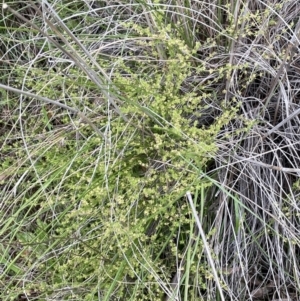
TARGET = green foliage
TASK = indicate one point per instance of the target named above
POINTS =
(109, 218)
(109, 203)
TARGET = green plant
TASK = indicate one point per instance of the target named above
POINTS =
(110, 113)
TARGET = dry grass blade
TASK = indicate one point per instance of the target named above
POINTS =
(206, 246)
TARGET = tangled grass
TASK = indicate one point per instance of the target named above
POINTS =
(149, 150)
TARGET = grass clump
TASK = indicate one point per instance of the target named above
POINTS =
(111, 113)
